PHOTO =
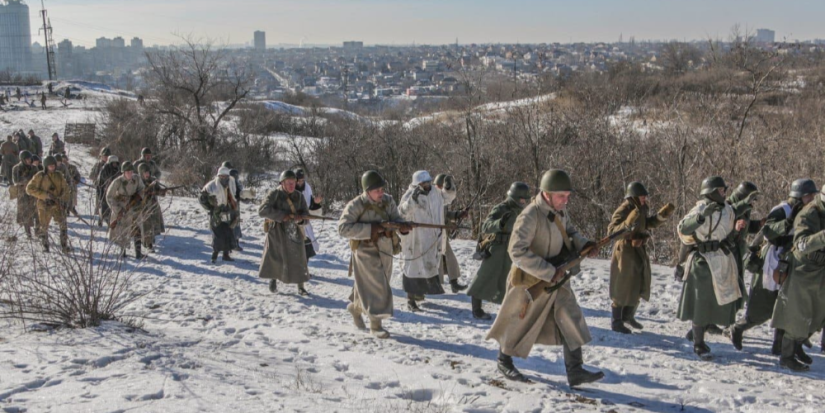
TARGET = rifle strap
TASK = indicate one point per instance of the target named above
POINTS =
(562, 229)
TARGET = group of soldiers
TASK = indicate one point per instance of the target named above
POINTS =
(529, 250)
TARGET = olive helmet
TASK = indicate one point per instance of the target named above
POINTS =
(372, 180)
(105, 151)
(288, 174)
(635, 190)
(519, 190)
(145, 151)
(439, 179)
(712, 184)
(127, 166)
(802, 187)
(25, 155)
(556, 180)
(744, 189)
(49, 161)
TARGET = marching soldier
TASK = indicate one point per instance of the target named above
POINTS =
(94, 174)
(108, 174)
(36, 162)
(372, 252)
(124, 197)
(630, 266)
(57, 145)
(284, 257)
(491, 280)
(800, 306)
(422, 251)
(50, 189)
(528, 316)
(22, 173)
(146, 158)
(150, 208)
(711, 282)
(218, 198)
(9, 152)
(37, 144)
(449, 263)
(742, 200)
(314, 204)
(773, 257)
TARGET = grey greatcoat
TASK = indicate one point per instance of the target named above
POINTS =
(118, 196)
(284, 257)
(549, 319)
(371, 262)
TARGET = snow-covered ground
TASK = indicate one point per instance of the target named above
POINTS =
(214, 339)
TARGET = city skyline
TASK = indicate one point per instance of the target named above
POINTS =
(422, 22)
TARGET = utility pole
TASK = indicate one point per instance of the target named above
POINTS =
(47, 34)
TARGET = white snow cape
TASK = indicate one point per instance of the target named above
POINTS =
(772, 256)
(724, 272)
(421, 249)
(214, 188)
(307, 192)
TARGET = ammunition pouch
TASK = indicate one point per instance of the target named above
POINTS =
(817, 257)
(483, 246)
(708, 246)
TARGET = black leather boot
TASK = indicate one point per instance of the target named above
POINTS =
(138, 253)
(301, 291)
(699, 347)
(456, 287)
(801, 356)
(412, 306)
(64, 242)
(576, 374)
(737, 332)
(776, 348)
(478, 312)
(273, 286)
(226, 257)
(617, 324)
(629, 317)
(509, 370)
(214, 256)
(788, 360)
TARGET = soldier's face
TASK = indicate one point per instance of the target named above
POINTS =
(375, 195)
(288, 185)
(643, 200)
(147, 157)
(808, 198)
(27, 161)
(557, 200)
(129, 174)
(300, 182)
(146, 175)
(52, 168)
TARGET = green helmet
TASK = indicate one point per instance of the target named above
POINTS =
(711, 184)
(519, 190)
(105, 151)
(744, 189)
(127, 166)
(227, 164)
(145, 151)
(25, 155)
(58, 157)
(372, 180)
(635, 190)
(802, 187)
(439, 180)
(143, 168)
(49, 161)
(288, 174)
(556, 180)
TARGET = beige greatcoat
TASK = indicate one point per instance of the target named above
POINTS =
(550, 319)
(371, 262)
(118, 196)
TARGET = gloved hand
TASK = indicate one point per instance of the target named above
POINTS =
(710, 209)
(679, 273)
(375, 230)
(416, 192)
(448, 182)
(463, 214)
(666, 211)
(405, 228)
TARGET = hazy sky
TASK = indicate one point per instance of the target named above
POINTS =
(425, 21)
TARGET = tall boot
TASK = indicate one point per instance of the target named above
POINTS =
(226, 256)
(411, 304)
(377, 330)
(576, 374)
(629, 316)
(509, 370)
(301, 291)
(787, 359)
(138, 254)
(478, 312)
(44, 240)
(273, 285)
(617, 324)
(800, 354)
(778, 335)
(738, 330)
(64, 241)
(28, 231)
(456, 287)
(356, 316)
(214, 256)
(699, 346)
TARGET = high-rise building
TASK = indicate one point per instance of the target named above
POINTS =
(260, 40)
(103, 43)
(64, 58)
(15, 36)
(765, 36)
(118, 42)
(353, 45)
(137, 43)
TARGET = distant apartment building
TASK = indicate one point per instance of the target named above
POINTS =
(15, 37)
(765, 36)
(103, 43)
(136, 43)
(260, 40)
(352, 45)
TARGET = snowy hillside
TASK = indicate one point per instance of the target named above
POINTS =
(214, 339)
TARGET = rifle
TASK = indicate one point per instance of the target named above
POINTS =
(454, 233)
(566, 265)
(134, 200)
(313, 217)
(395, 226)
